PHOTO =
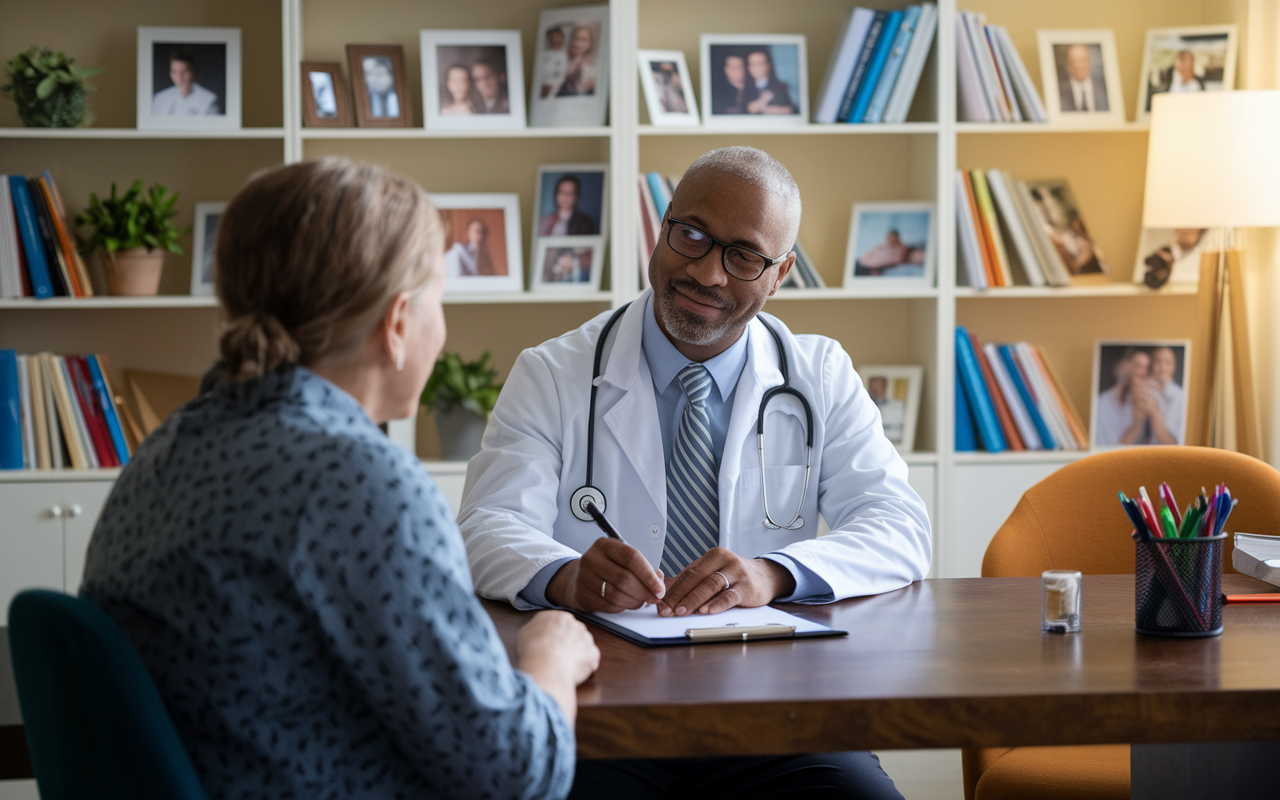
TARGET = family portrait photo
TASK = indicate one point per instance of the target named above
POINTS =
(890, 241)
(1081, 77)
(571, 199)
(379, 86)
(1138, 392)
(668, 91)
(204, 242)
(324, 96)
(1169, 255)
(1058, 213)
(472, 79)
(1180, 60)
(188, 77)
(571, 68)
(896, 392)
(569, 265)
(754, 80)
(482, 242)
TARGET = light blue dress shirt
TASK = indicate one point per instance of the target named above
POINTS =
(665, 362)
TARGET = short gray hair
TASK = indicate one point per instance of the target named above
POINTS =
(755, 167)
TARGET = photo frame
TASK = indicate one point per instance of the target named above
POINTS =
(1139, 392)
(1196, 59)
(895, 389)
(1081, 77)
(204, 242)
(567, 264)
(571, 200)
(472, 79)
(1167, 255)
(891, 245)
(668, 90)
(482, 242)
(188, 78)
(570, 82)
(379, 86)
(324, 95)
(1054, 207)
(730, 96)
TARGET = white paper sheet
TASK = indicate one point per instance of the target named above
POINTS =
(646, 622)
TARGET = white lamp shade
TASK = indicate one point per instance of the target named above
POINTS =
(1213, 161)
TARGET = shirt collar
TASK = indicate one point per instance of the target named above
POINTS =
(665, 361)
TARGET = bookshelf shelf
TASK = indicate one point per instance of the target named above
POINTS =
(791, 130)
(1102, 290)
(506, 298)
(58, 475)
(1022, 457)
(134, 133)
(130, 303)
(481, 133)
(840, 293)
(1016, 128)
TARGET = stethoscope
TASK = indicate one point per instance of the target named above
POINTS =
(588, 493)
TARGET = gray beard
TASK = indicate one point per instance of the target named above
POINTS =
(688, 327)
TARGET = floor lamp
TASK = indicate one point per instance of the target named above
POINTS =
(1213, 161)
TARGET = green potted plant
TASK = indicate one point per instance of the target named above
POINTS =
(132, 231)
(49, 89)
(461, 394)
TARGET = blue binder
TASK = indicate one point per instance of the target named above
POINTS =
(966, 437)
(1028, 400)
(984, 410)
(10, 412)
(868, 87)
(897, 53)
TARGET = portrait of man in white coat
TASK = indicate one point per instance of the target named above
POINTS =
(675, 464)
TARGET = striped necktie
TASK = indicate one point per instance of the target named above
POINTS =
(693, 499)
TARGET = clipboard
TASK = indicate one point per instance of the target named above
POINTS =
(645, 628)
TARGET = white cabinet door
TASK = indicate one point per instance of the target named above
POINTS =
(85, 501)
(31, 541)
(984, 497)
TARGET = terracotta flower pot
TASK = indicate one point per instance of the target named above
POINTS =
(133, 273)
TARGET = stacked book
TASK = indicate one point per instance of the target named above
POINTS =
(38, 256)
(994, 83)
(1009, 398)
(873, 74)
(803, 274)
(58, 411)
(999, 225)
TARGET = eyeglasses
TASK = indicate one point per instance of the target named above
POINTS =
(691, 241)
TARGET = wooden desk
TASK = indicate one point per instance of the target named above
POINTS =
(941, 663)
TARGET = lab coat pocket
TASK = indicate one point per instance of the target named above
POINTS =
(784, 485)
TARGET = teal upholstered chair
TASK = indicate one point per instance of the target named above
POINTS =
(96, 727)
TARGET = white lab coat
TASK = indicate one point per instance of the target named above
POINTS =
(515, 516)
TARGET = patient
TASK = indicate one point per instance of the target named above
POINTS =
(294, 581)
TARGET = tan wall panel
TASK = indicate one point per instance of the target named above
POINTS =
(105, 35)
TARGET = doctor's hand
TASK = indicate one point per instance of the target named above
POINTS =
(611, 576)
(701, 589)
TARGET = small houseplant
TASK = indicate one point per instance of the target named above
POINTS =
(132, 231)
(49, 89)
(461, 394)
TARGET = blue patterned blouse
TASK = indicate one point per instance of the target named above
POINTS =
(298, 588)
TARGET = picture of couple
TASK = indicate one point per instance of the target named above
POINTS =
(473, 80)
(1139, 397)
(754, 80)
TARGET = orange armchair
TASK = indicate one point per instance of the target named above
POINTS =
(1073, 520)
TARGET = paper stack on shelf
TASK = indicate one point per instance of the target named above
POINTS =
(876, 67)
(803, 274)
(38, 256)
(1012, 398)
(994, 85)
(997, 216)
(64, 413)
(1258, 556)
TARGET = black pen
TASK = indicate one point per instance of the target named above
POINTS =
(602, 522)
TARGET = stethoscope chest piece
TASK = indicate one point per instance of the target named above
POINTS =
(584, 495)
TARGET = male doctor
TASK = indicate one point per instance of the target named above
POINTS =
(675, 456)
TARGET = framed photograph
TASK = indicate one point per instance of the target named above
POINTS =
(203, 245)
(379, 86)
(1169, 255)
(1199, 59)
(896, 392)
(1081, 77)
(570, 86)
(482, 242)
(567, 264)
(890, 243)
(668, 91)
(754, 80)
(1138, 392)
(324, 96)
(573, 200)
(188, 78)
(1056, 210)
(472, 79)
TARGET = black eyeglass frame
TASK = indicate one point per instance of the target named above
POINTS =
(724, 248)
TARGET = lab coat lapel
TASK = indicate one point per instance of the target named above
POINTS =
(760, 373)
(633, 418)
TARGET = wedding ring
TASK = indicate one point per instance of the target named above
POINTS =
(603, 585)
(723, 578)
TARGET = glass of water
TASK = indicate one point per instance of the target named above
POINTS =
(1060, 601)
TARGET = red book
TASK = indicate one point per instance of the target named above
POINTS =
(82, 389)
(997, 398)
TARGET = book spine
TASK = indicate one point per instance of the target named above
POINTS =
(11, 450)
(984, 235)
(78, 435)
(85, 284)
(904, 90)
(892, 67)
(841, 67)
(993, 391)
(647, 230)
(1053, 413)
(61, 241)
(970, 250)
(1028, 400)
(1055, 268)
(887, 36)
(39, 412)
(988, 210)
(983, 409)
(57, 270)
(82, 391)
(1016, 227)
(32, 250)
(132, 430)
(108, 410)
(1020, 416)
(874, 32)
(966, 437)
(10, 283)
(28, 424)
(1002, 73)
(1026, 89)
(658, 188)
(1073, 416)
(986, 69)
(59, 450)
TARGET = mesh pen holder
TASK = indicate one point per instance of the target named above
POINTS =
(1178, 586)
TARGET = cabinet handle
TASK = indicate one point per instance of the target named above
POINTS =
(75, 510)
(55, 511)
